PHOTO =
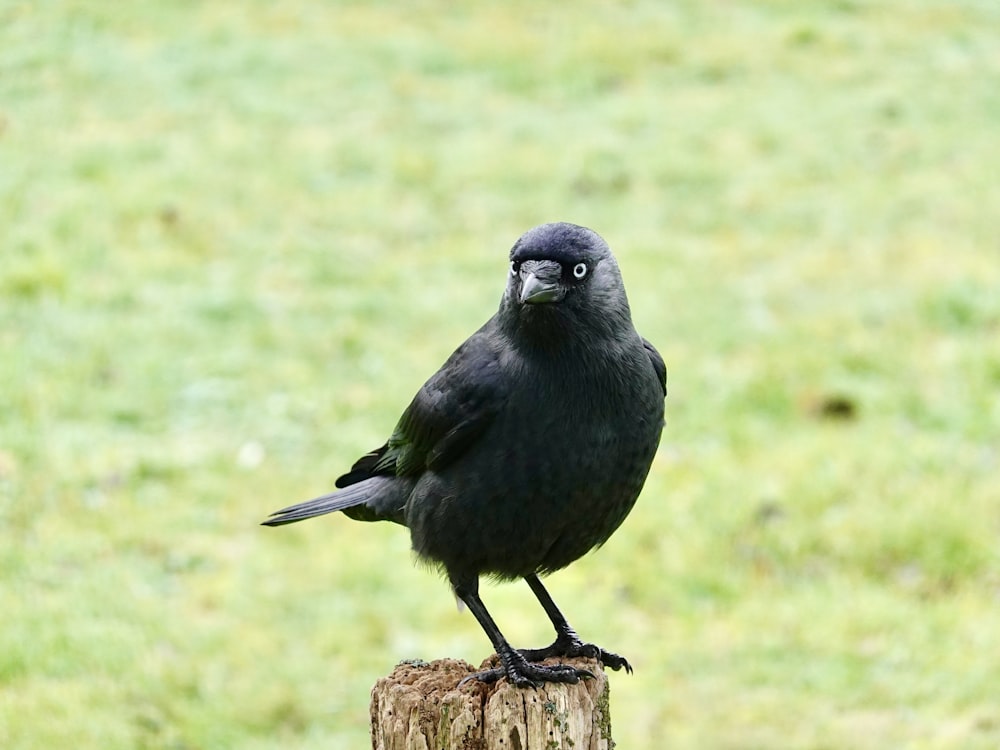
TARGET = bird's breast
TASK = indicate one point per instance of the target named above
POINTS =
(554, 475)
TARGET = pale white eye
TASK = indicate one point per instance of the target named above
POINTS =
(513, 268)
(580, 270)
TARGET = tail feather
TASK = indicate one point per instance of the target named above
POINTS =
(349, 497)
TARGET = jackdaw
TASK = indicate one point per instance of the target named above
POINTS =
(528, 448)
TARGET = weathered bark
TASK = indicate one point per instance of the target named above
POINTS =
(419, 706)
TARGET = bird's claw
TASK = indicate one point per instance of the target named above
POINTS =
(487, 677)
(523, 673)
(614, 661)
(574, 648)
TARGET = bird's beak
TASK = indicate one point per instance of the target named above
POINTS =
(540, 283)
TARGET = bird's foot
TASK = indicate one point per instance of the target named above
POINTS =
(521, 672)
(570, 645)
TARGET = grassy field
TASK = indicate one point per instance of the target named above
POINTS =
(235, 238)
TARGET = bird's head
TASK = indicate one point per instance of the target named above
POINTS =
(564, 275)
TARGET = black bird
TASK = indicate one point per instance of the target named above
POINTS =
(528, 448)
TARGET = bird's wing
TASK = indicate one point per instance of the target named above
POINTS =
(363, 468)
(447, 415)
(658, 364)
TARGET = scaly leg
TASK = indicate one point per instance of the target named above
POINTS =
(515, 667)
(567, 642)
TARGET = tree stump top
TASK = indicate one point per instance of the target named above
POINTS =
(419, 706)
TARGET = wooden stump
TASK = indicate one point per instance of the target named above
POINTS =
(419, 706)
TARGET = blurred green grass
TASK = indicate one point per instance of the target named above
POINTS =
(236, 239)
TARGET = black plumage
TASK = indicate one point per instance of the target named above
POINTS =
(530, 445)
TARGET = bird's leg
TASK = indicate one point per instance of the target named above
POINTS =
(567, 642)
(518, 670)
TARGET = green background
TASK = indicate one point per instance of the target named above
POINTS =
(235, 238)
